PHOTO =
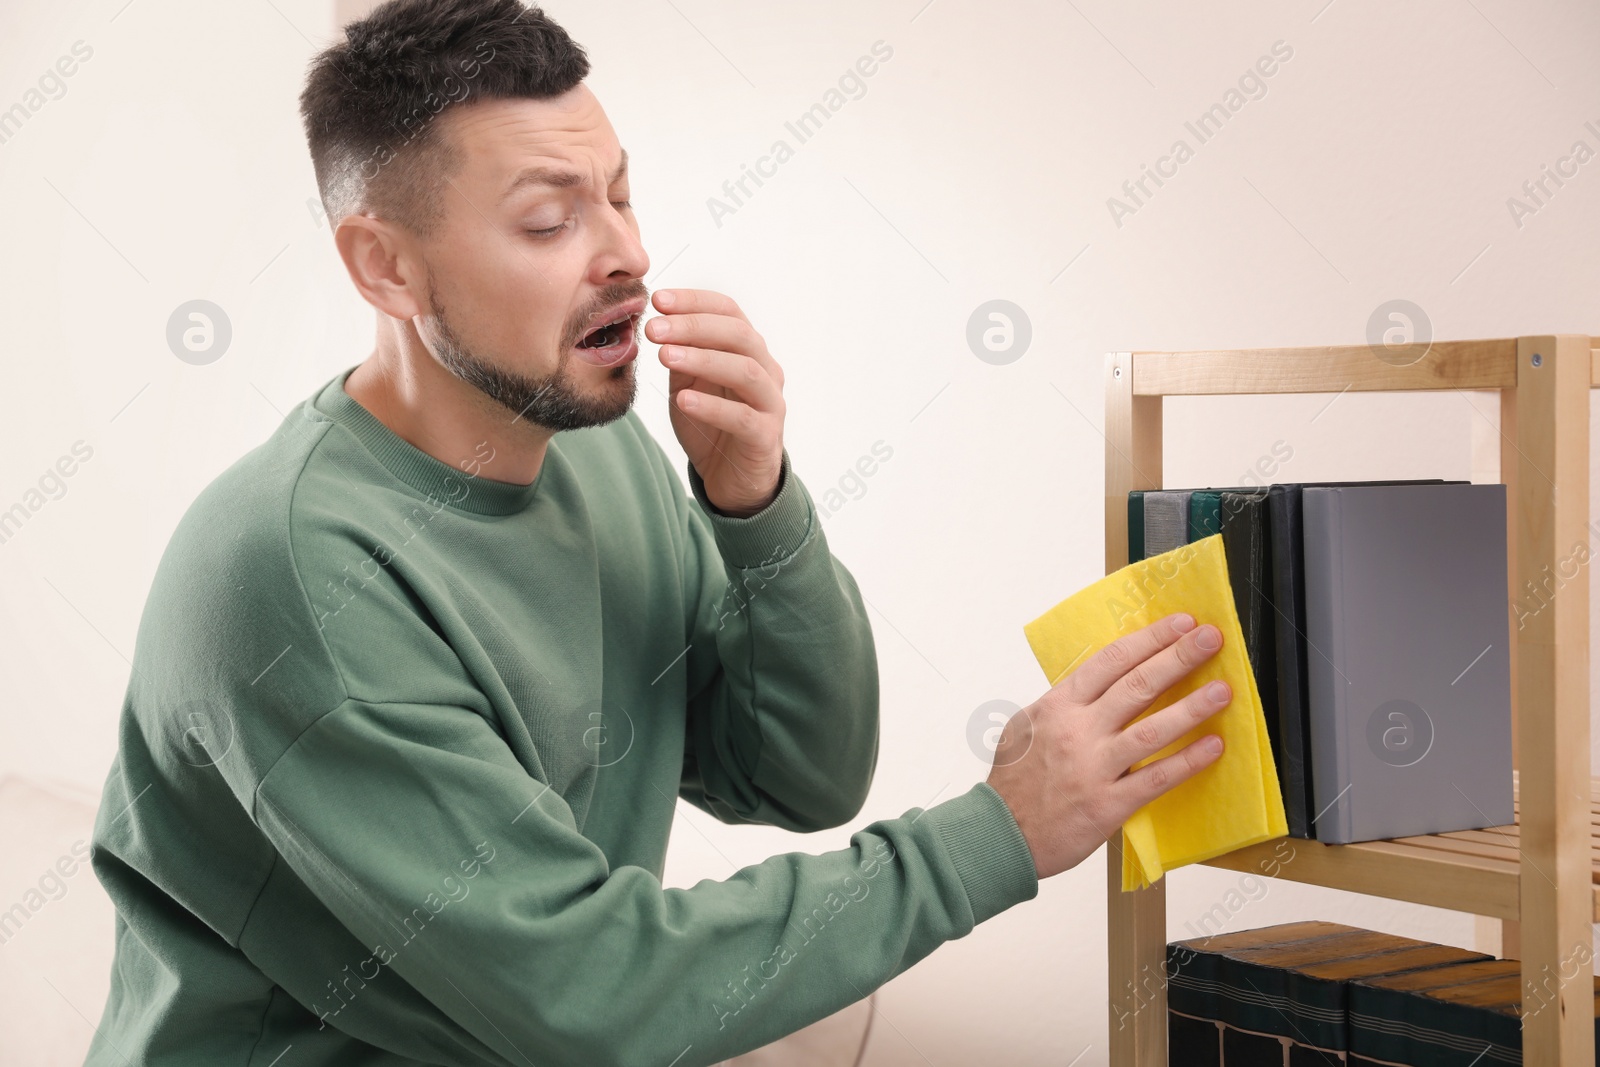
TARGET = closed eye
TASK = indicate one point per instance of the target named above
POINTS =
(552, 231)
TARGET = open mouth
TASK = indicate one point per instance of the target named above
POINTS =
(609, 342)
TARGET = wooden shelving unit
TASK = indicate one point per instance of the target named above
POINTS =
(1540, 876)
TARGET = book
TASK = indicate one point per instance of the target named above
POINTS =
(1247, 545)
(1289, 604)
(1136, 526)
(1166, 520)
(1205, 513)
(1467, 1013)
(1263, 539)
(1285, 530)
(1260, 989)
(1205, 517)
(1408, 669)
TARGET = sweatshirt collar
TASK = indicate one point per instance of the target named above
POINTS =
(429, 476)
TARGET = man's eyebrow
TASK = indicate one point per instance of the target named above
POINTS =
(559, 178)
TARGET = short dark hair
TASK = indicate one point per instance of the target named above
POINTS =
(370, 99)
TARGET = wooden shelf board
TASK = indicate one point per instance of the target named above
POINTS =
(1474, 871)
(1485, 364)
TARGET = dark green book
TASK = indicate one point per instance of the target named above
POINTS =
(1287, 983)
(1215, 1014)
(1470, 1013)
(1205, 513)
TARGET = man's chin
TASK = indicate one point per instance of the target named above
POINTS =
(600, 402)
(576, 396)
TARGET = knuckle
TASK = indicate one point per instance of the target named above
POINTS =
(1159, 776)
(1140, 685)
(1145, 733)
(1115, 655)
(752, 371)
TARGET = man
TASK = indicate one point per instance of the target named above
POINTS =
(421, 678)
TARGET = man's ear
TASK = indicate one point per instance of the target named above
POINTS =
(379, 262)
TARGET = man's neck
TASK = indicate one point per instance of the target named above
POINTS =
(425, 405)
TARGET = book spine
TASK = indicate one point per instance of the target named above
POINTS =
(1288, 640)
(1205, 515)
(1136, 526)
(1339, 705)
(1325, 665)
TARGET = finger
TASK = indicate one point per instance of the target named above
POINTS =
(1145, 682)
(1138, 788)
(1159, 729)
(680, 301)
(709, 302)
(741, 374)
(1089, 682)
(722, 332)
(739, 419)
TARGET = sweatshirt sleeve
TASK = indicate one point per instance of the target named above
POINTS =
(782, 668)
(468, 880)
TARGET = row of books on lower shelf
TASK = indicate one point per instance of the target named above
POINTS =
(1377, 623)
(1318, 994)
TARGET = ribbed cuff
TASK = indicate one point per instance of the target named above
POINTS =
(772, 534)
(987, 849)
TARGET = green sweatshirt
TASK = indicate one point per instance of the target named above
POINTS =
(401, 748)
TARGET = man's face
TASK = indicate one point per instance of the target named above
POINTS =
(537, 240)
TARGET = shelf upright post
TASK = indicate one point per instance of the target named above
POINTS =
(1136, 922)
(1545, 464)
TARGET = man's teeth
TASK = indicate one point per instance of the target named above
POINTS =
(602, 337)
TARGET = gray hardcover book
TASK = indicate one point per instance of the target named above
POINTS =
(1408, 659)
(1166, 520)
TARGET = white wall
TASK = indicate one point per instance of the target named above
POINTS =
(977, 166)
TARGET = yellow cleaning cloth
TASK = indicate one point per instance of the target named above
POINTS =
(1236, 801)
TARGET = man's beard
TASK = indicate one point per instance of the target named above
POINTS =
(553, 401)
